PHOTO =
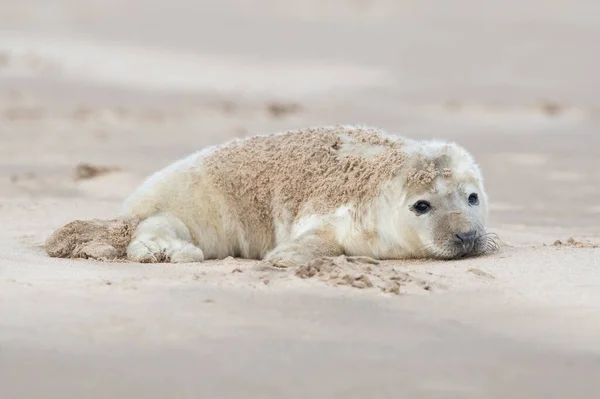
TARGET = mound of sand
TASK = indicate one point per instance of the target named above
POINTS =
(358, 272)
(92, 239)
(571, 242)
(85, 171)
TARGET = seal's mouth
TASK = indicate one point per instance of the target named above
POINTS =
(455, 248)
(466, 254)
(470, 249)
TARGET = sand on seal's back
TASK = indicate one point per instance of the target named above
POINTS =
(311, 167)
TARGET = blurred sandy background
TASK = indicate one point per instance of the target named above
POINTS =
(126, 87)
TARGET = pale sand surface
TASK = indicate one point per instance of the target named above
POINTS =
(135, 85)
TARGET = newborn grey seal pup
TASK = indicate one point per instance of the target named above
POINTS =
(293, 197)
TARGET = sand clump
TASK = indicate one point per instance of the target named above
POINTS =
(85, 171)
(571, 242)
(423, 172)
(359, 272)
(480, 273)
(424, 176)
(92, 239)
(279, 110)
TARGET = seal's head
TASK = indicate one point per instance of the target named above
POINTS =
(443, 204)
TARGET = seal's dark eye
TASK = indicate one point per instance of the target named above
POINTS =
(421, 207)
(473, 199)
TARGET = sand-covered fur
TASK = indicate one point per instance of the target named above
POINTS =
(317, 169)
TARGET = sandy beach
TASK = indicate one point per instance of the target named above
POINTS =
(95, 96)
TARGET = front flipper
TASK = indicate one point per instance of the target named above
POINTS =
(309, 246)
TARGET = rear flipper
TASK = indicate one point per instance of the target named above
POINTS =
(163, 238)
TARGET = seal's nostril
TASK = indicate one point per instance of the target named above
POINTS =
(466, 236)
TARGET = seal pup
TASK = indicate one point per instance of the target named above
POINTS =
(293, 197)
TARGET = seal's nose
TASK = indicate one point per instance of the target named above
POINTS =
(466, 239)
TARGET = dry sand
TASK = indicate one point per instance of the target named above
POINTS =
(96, 95)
